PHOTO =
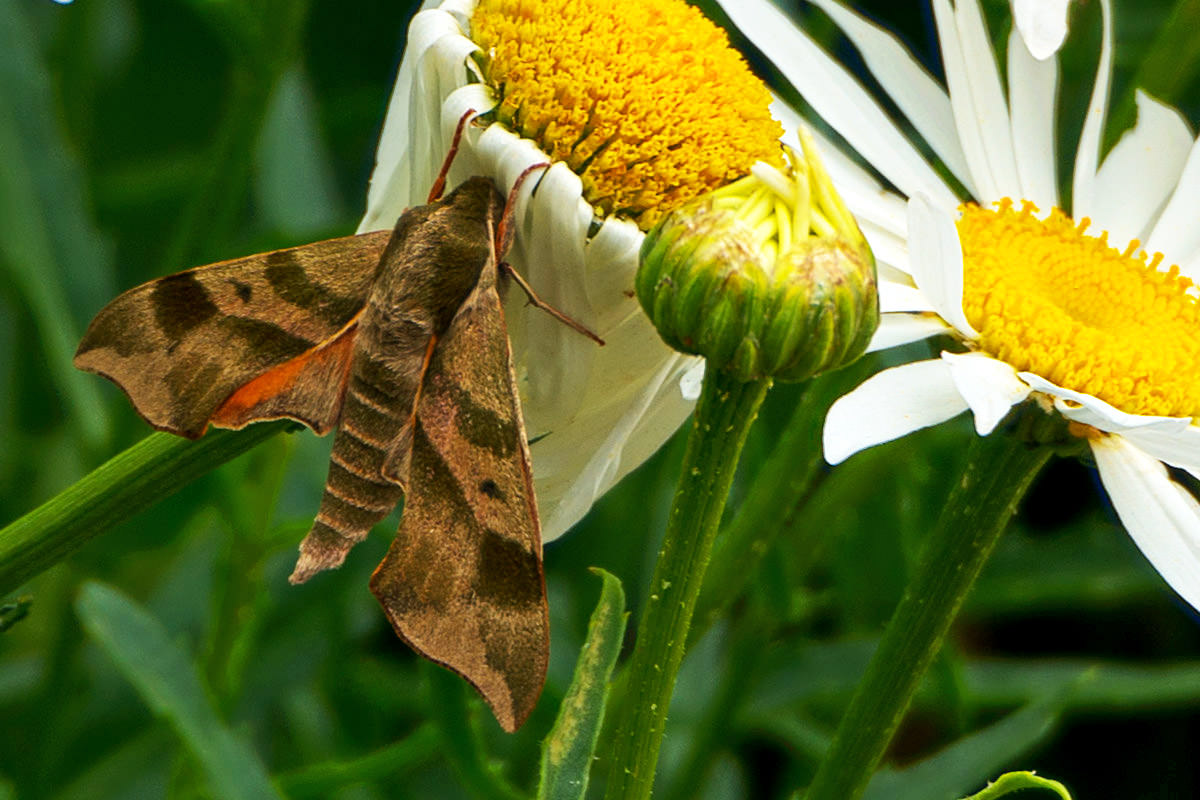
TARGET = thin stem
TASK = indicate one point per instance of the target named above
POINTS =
(152, 469)
(999, 470)
(723, 417)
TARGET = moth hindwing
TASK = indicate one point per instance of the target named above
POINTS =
(398, 342)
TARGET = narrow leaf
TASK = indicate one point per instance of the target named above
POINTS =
(167, 679)
(47, 241)
(569, 750)
(1016, 781)
(968, 761)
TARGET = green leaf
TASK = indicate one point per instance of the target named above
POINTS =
(295, 187)
(569, 750)
(47, 241)
(1015, 782)
(322, 780)
(969, 760)
(166, 678)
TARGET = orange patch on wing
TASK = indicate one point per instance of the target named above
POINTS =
(308, 373)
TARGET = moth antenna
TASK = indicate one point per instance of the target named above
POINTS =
(504, 229)
(439, 183)
(538, 302)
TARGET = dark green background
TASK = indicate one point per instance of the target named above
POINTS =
(137, 138)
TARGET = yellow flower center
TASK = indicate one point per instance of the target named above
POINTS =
(1050, 300)
(645, 101)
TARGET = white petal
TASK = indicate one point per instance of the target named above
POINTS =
(1043, 25)
(977, 97)
(1088, 154)
(1162, 518)
(906, 82)
(888, 248)
(989, 386)
(411, 150)
(1139, 174)
(578, 462)
(1093, 411)
(837, 97)
(889, 405)
(1177, 447)
(935, 258)
(1176, 234)
(691, 381)
(897, 329)
(901, 298)
(1032, 89)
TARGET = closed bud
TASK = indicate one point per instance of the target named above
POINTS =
(768, 277)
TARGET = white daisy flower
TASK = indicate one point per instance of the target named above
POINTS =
(623, 104)
(1066, 311)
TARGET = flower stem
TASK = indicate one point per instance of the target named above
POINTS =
(999, 470)
(723, 417)
(150, 470)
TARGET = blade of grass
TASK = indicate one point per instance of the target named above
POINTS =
(167, 679)
(47, 242)
(569, 750)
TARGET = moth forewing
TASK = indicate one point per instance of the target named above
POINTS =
(179, 346)
(463, 581)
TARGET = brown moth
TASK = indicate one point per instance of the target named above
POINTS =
(398, 341)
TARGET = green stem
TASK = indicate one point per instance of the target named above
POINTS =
(723, 417)
(777, 494)
(999, 470)
(152, 469)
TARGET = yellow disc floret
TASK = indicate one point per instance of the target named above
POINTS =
(645, 101)
(1051, 300)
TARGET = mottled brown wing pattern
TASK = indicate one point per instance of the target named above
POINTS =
(181, 345)
(431, 268)
(462, 582)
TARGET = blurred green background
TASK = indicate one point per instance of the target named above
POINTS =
(138, 137)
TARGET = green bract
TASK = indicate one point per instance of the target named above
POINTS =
(768, 277)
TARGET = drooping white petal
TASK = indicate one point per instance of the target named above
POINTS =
(1032, 89)
(906, 82)
(990, 387)
(1042, 24)
(1087, 156)
(977, 97)
(1161, 517)
(1089, 410)
(897, 329)
(1176, 234)
(1139, 174)
(889, 405)
(575, 464)
(835, 94)
(1179, 448)
(935, 258)
(410, 149)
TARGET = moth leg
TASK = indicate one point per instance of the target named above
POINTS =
(439, 183)
(538, 302)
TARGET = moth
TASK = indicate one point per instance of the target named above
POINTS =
(398, 341)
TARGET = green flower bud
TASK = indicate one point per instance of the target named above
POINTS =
(768, 277)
